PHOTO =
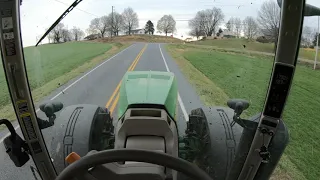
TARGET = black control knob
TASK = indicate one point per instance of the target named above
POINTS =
(238, 105)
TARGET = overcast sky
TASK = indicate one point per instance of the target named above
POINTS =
(37, 15)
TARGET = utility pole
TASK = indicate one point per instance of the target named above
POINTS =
(316, 58)
(112, 22)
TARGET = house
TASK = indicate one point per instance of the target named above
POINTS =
(92, 37)
(228, 34)
(269, 34)
(135, 31)
(189, 39)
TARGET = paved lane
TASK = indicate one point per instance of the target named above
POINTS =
(98, 85)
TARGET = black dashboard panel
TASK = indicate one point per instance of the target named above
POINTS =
(279, 89)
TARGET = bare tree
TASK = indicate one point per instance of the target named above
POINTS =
(209, 20)
(100, 25)
(269, 20)
(90, 31)
(237, 26)
(130, 19)
(77, 33)
(66, 35)
(56, 33)
(307, 35)
(50, 37)
(250, 27)
(95, 25)
(166, 24)
(117, 23)
(196, 31)
(231, 25)
(114, 23)
(196, 27)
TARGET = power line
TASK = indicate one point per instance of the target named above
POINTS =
(179, 20)
(77, 8)
(235, 5)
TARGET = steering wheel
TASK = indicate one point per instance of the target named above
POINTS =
(119, 155)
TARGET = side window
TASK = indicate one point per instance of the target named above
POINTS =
(7, 168)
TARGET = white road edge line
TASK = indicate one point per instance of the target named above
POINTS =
(16, 127)
(183, 109)
(87, 74)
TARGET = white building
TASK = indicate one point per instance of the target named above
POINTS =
(135, 31)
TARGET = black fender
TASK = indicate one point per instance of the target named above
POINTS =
(80, 128)
(220, 147)
(276, 148)
(211, 142)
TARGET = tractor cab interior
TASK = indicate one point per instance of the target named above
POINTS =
(144, 141)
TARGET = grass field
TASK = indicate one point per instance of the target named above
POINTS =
(219, 76)
(237, 44)
(47, 62)
(252, 46)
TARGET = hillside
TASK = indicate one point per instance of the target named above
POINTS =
(237, 44)
(140, 38)
(247, 45)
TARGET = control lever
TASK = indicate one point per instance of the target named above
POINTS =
(15, 146)
(239, 105)
(49, 109)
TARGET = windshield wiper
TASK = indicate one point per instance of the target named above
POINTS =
(63, 15)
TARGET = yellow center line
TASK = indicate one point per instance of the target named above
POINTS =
(118, 86)
(114, 103)
(116, 91)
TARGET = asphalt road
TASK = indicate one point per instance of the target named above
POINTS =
(97, 86)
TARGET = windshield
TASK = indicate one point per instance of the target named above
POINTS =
(216, 50)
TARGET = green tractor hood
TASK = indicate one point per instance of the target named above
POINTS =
(148, 87)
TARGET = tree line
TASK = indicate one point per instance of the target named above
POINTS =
(111, 25)
(206, 22)
(309, 37)
(265, 27)
(61, 33)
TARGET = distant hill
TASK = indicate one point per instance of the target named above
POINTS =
(140, 38)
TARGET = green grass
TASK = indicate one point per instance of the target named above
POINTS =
(308, 54)
(241, 76)
(234, 43)
(238, 44)
(48, 62)
(236, 75)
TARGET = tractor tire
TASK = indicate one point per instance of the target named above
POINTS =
(211, 141)
(80, 128)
